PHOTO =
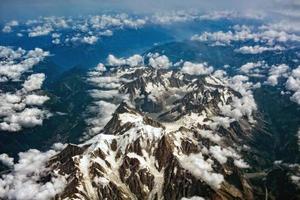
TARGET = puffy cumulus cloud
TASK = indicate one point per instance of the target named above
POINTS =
(89, 39)
(78, 39)
(246, 33)
(40, 31)
(81, 30)
(296, 97)
(159, 61)
(219, 73)
(258, 49)
(96, 72)
(248, 67)
(240, 163)
(56, 38)
(15, 62)
(196, 68)
(222, 154)
(100, 67)
(23, 182)
(8, 54)
(240, 33)
(112, 21)
(17, 108)
(132, 61)
(13, 112)
(34, 99)
(180, 16)
(56, 41)
(29, 117)
(243, 106)
(254, 69)
(34, 82)
(240, 107)
(6, 160)
(8, 26)
(275, 72)
(201, 169)
(293, 84)
(46, 25)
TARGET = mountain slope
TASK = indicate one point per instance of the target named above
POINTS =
(173, 135)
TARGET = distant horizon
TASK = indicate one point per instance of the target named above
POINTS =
(18, 9)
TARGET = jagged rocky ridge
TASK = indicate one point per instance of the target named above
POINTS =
(169, 138)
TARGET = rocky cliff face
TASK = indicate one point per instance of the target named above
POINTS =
(173, 136)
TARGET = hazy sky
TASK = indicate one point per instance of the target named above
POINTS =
(32, 8)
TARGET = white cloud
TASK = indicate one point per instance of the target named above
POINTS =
(34, 82)
(296, 97)
(225, 38)
(40, 31)
(244, 106)
(90, 39)
(180, 16)
(219, 73)
(22, 183)
(100, 67)
(202, 169)
(248, 67)
(16, 62)
(258, 49)
(107, 82)
(132, 61)
(34, 99)
(46, 25)
(240, 163)
(174, 17)
(196, 68)
(220, 121)
(283, 25)
(221, 154)
(8, 26)
(9, 54)
(6, 29)
(14, 113)
(275, 72)
(245, 33)
(120, 21)
(56, 41)
(29, 117)
(159, 61)
(104, 94)
(6, 160)
(293, 84)
(103, 112)
(247, 14)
